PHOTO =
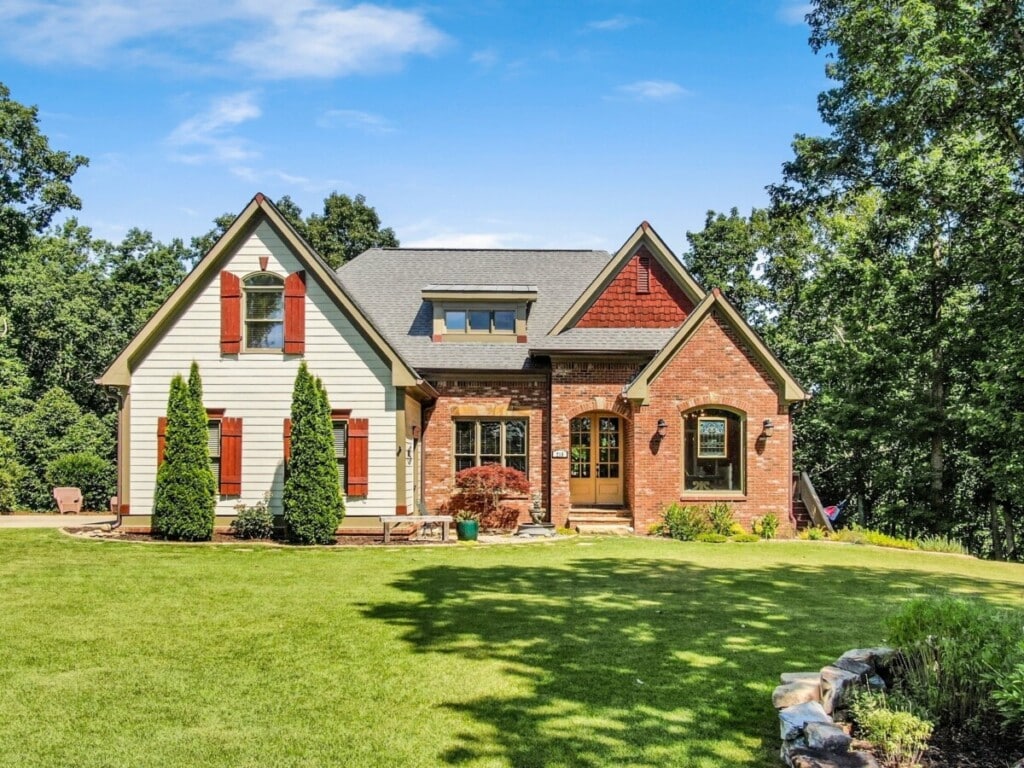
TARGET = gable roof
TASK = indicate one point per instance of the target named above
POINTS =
(642, 235)
(389, 283)
(789, 390)
(259, 209)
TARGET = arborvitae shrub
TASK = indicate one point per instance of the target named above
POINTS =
(313, 504)
(183, 507)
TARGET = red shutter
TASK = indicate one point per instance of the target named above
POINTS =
(358, 457)
(230, 457)
(161, 439)
(230, 314)
(295, 313)
(287, 441)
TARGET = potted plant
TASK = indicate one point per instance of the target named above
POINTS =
(467, 525)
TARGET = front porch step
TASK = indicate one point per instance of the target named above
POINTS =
(601, 521)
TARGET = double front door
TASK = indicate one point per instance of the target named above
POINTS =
(595, 456)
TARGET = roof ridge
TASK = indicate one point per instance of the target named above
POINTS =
(496, 250)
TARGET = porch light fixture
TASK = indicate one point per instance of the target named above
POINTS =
(767, 428)
(662, 428)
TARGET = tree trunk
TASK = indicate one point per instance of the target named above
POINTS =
(993, 523)
(1010, 541)
(937, 496)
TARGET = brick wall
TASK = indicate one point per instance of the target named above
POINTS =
(579, 387)
(506, 397)
(713, 368)
(620, 306)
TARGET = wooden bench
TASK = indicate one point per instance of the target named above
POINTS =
(389, 521)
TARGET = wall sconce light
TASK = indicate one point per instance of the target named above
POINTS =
(767, 428)
(662, 428)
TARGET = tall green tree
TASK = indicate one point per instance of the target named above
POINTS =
(35, 180)
(313, 504)
(184, 500)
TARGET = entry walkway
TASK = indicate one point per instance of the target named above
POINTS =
(54, 521)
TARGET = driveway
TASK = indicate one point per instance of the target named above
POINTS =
(54, 521)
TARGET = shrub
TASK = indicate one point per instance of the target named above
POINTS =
(684, 523)
(899, 733)
(720, 518)
(941, 544)
(566, 532)
(746, 537)
(766, 527)
(1008, 695)
(480, 490)
(812, 534)
(8, 491)
(712, 538)
(313, 504)
(857, 535)
(185, 496)
(96, 477)
(254, 521)
(951, 654)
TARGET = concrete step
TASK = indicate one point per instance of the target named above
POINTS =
(606, 518)
(613, 529)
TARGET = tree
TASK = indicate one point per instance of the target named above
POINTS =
(184, 500)
(35, 181)
(313, 504)
(347, 227)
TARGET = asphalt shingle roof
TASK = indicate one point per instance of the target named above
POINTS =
(387, 283)
(643, 340)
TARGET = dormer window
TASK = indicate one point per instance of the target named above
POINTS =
(264, 312)
(482, 313)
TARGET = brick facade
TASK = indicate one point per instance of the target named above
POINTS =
(510, 397)
(621, 306)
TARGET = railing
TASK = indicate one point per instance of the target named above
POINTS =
(805, 489)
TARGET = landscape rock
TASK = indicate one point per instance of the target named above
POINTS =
(803, 757)
(879, 658)
(860, 668)
(876, 683)
(799, 677)
(796, 693)
(792, 720)
(827, 737)
(836, 687)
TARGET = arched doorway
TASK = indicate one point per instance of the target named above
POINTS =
(595, 460)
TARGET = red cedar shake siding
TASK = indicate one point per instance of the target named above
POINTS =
(713, 368)
(623, 305)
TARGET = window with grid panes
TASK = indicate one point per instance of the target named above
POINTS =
(491, 441)
(264, 312)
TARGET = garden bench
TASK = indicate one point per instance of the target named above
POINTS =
(389, 521)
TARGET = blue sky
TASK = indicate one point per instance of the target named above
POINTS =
(474, 123)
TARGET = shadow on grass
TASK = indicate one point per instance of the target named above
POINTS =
(641, 662)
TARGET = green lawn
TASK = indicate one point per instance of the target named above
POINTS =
(580, 652)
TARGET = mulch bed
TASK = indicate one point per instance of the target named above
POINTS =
(345, 540)
(949, 750)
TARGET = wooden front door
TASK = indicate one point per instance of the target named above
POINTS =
(595, 469)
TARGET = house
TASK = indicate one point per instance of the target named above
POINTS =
(613, 380)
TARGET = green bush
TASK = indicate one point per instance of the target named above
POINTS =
(8, 492)
(720, 518)
(683, 523)
(951, 654)
(813, 534)
(857, 535)
(766, 527)
(1008, 695)
(253, 521)
(941, 544)
(746, 537)
(712, 538)
(313, 504)
(900, 734)
(94, 476)
(185, 497)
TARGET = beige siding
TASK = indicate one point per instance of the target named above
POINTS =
(257, 387)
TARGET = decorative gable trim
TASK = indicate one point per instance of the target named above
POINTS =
(259, 209)
(789, 390)
(644, 235)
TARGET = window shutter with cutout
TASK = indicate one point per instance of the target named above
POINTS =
(358, 457)
(161, 439)
(230, 457)
(295, 313)
(230, 313)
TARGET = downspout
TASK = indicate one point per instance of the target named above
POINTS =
(119, 394)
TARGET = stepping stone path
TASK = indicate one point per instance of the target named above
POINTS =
(812, 706)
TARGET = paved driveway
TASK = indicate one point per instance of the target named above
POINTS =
(54, 521)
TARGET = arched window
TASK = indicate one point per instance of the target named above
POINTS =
(714, 447)
(264, 311)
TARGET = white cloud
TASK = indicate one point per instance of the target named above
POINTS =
(652, 90)
(354, 118)
(485, 58)
(208, 135)
(277, 40)
(794, 13)
(613, 24)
